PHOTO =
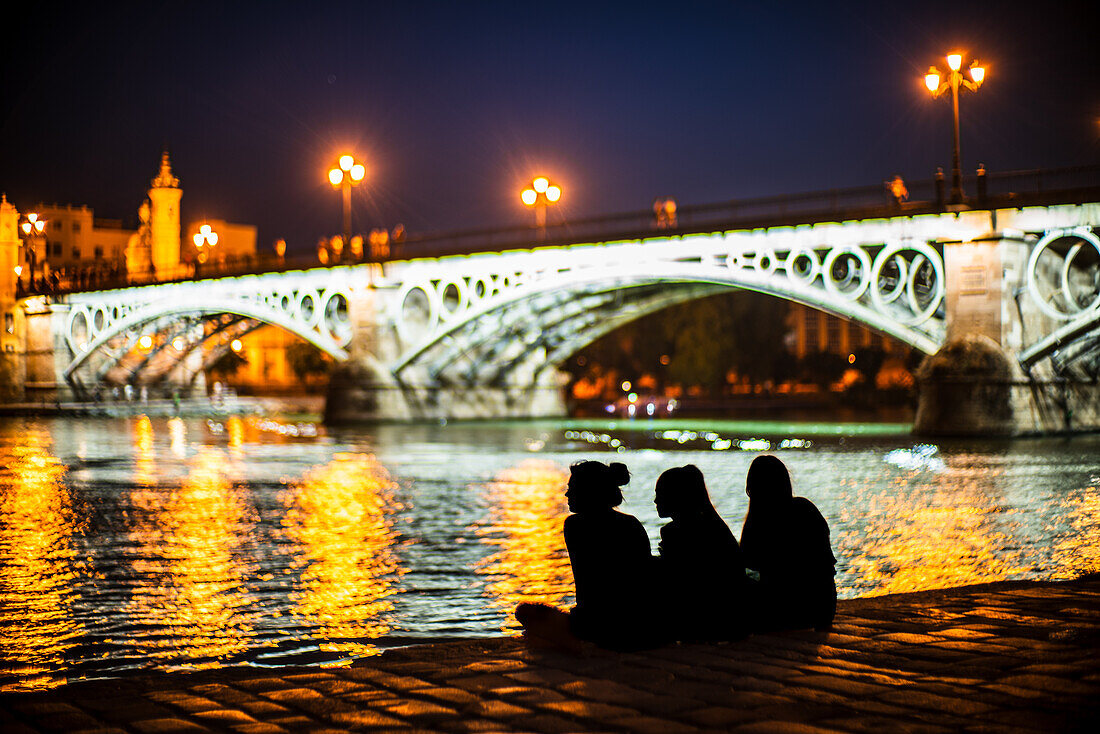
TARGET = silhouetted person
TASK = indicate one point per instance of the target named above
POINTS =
(702, 572)
(786, 540)
(610, 555)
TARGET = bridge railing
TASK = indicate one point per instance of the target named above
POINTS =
(988, 190)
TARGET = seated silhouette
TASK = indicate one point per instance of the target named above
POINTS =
(610, 555)
(702, 574)
(786, 540)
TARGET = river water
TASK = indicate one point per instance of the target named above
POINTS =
(166, 543)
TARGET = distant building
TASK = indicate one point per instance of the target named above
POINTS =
(236, 242)
(812, 331)
(74, 237)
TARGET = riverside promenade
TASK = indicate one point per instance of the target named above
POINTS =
(1013, 656)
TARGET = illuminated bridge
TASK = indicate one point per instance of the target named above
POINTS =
(1010, 284)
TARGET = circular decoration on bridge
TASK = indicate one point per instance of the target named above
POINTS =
(454, 296)
(921, 278)
(802, 265)
(285, 303)
(765, 261)
(337, 320)
(100, 319)
(1078, 288)
(78, 333)
(844, 284)
(482, 287)
(418, 312)
(308, 307)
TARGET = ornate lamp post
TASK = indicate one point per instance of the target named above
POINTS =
(205, 238)
(32, 232)
(937, 85)
(347, 173)
(541, 194)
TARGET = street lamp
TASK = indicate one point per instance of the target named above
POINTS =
(348, 173)
(541, 194)
(32, 231)
(205, 237)
(937, 85)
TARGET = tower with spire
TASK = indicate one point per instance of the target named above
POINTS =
(164, 220)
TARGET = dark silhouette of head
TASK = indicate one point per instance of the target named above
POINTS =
(595, 486)
(681, 491)
(768, 482)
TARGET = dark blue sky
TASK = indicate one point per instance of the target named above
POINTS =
(454, 106)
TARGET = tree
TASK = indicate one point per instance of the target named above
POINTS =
(228, 364)
(307, 361)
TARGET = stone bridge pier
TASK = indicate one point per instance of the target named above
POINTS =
(1019, 356)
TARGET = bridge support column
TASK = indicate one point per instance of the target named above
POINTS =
(974, 385)
(365, 389)
(362, 389)
(45, 352)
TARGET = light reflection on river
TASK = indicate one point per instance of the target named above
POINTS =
(152, 543)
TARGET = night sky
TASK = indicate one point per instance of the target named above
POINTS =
(454, 106)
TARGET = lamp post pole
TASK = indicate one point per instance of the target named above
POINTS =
(937, 86)
(541, 194)
(347, 173)
(32, 231)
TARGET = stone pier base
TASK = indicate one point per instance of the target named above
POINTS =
(971, 388)
(361, 392)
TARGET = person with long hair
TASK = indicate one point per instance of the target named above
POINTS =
(702, 572)
(786, 540)
(610, 556)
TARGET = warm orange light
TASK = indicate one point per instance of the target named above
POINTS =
(205, 229)
(198, 239)
(977, 73)
(178, 343)
(235, 345)
(145, 342)
(540, 184)
(335, 177)
(32, 217)
(18, 270)
(932, 80)
(553, 193)
(212, 238)
(357, 172)
(529, 196)
(954, 61)
(346, 162)
(26, 227)
(39, 225)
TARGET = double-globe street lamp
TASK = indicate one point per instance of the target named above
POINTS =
(541, 194)
(954, 79)
(205, 240)
(347, 173)
(32, 233)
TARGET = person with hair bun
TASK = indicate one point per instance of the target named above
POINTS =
(610, 555)
(786, 540)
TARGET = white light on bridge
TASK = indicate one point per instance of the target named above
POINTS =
(178, 343)
(235, 345)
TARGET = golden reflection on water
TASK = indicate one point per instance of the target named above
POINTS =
(188, 549)
(953, 535)
(39, 562)
(531, 563)
(341, 517)
(1078, 551)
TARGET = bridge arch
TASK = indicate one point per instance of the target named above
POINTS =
(168, 309)
(532, 308)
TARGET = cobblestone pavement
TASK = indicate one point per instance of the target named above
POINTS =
(1017, 656)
